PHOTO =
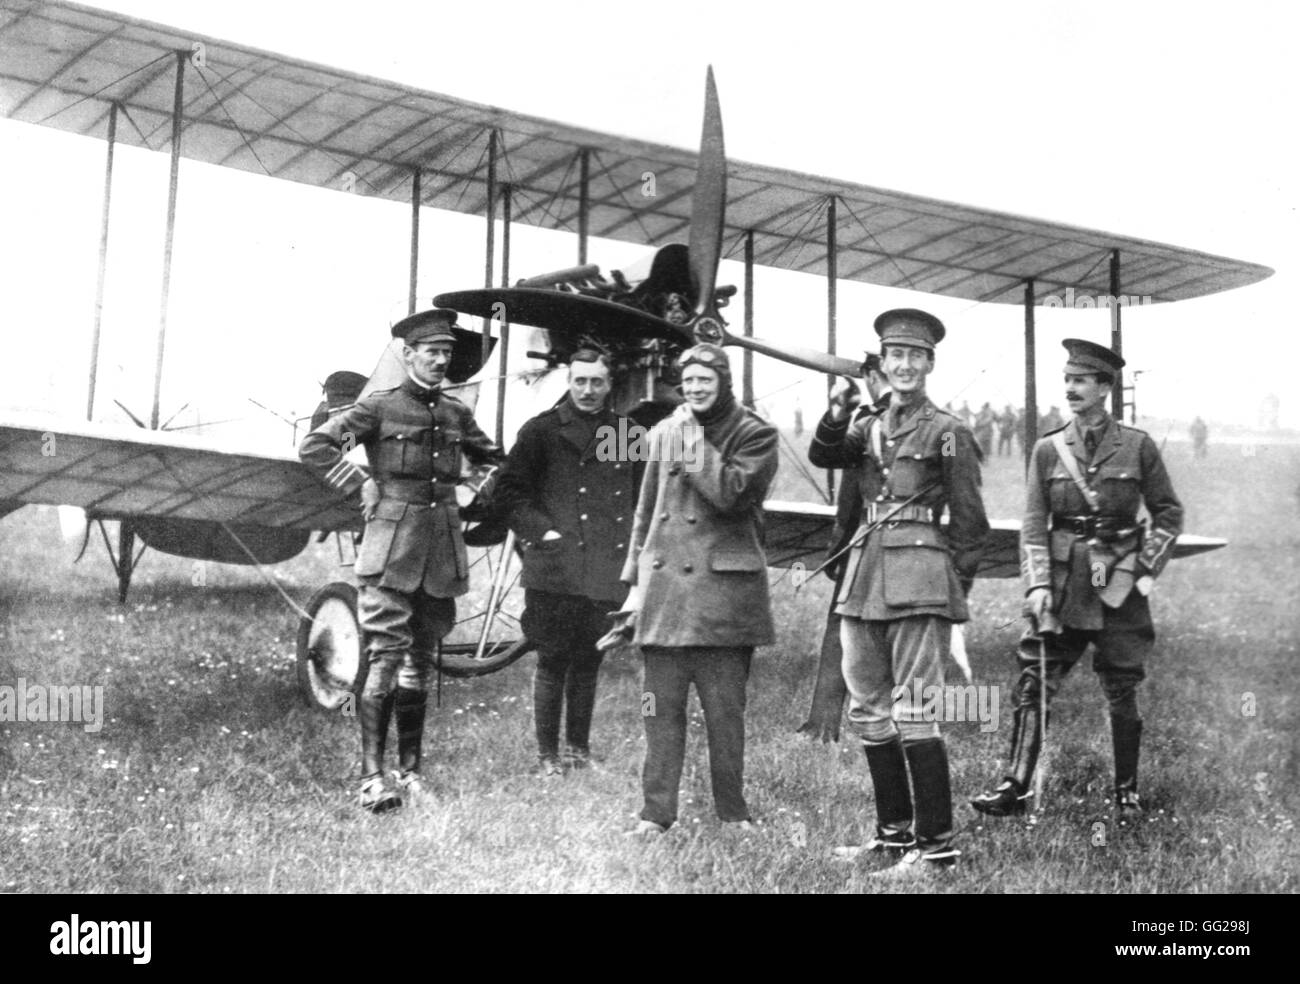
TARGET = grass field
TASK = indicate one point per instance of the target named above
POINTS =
(211, 775)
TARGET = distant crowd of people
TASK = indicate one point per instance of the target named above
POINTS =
(1006, 425)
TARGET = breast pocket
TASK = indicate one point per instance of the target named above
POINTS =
(402, 449)
(916, 566)
(1121, 491)
(915, 467)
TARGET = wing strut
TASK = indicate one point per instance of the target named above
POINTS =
(1030, 423)
(178, 110)
(103, 259)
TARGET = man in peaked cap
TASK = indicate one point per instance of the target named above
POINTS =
(903, 587)
(1088, 565)
(412, 562)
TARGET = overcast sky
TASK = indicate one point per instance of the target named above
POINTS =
(1173, 122)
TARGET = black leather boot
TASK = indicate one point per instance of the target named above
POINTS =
(1126, 738)
(1012, 796)
(411, 708)
(933, 854)
(374, 714)
(888, 766)
(893, 792)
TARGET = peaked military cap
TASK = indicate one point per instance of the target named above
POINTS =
(434, 325)
(908, 326)
(1086, 358)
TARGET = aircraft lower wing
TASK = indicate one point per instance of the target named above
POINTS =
(800, 532)
(115, 473)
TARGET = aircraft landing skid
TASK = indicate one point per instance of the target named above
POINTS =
(126, 558)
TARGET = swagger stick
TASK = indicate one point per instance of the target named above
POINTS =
(861, 537)
(1046, 624)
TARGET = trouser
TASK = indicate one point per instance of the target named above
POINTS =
(401, 631)
(719, 675)
(565, 629)
(888, 667)
(1122, 646)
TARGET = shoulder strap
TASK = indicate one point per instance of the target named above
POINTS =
(1067, 459)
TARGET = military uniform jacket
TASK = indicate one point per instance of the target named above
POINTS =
(415, 439)
(1078, 548)
(909, 566)
(697, 539)
(558, 478)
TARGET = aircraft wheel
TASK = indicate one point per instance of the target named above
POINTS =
(331, 667)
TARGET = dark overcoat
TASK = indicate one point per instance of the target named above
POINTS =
(559, 476)
(415, 439)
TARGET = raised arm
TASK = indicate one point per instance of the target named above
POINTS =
(738, 480)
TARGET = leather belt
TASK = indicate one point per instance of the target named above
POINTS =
(1105, 528)
(418, 491)
(875, 511)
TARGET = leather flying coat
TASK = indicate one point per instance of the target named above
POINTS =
(697, 538)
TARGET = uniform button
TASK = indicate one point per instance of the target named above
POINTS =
(1123, 474)
(1092, 470)
(583, 517)
(884, 471)
(617, 467)
(688, 568)
(582, 545)
(889, 444)
(663, 517)
(917, 457)
(674, 470)
(618, 493)
(920, 543)
(657, 564)
(435, 454)
(582, 491)
(880, 498)
(690, 519)
(621, 546)
(618, 519)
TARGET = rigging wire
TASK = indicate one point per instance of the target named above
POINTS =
(109, 85)
(636, 213)
(881, 249)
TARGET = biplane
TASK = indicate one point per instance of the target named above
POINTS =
(122, 80)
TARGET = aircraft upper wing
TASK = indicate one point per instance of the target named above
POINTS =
(62, 64)
(801, 532)
(113, 472)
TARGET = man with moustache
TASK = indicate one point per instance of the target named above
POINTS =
(571, 506)
(902, 588)
(1088, 565)
(412, 562)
